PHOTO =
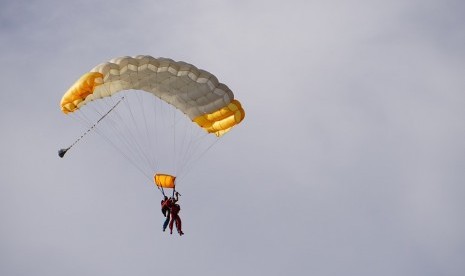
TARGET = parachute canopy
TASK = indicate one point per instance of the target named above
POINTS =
(197, 93)
(145, 127)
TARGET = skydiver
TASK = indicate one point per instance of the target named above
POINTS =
(165, 209)
(175, 208)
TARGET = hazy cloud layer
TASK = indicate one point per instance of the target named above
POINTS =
(350, 160)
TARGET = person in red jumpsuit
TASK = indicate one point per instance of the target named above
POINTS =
(175, 208)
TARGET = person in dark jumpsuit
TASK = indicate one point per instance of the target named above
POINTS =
(165, 209)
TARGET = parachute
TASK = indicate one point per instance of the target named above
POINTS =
(160, 114)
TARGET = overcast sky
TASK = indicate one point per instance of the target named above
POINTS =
(351, 159)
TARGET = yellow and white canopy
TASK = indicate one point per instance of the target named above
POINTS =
(137, 129)
(195, 92)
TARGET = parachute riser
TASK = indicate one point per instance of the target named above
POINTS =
(173, 194)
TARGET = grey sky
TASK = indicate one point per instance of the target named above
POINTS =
(350, 160)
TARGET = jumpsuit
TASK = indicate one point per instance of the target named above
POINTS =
(165, 209)
(175, 208)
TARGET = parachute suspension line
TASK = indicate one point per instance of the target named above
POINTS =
(191, 163)
(62, 152)
(174, 144)
(126, 156)
(128, 137)
(194, 148)
(127, 142)
(147, 134)
(125, 145)
(119, 141)
(141, 131)
(138, 148)
(181, 149)
(189, 146)
(154, 140)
